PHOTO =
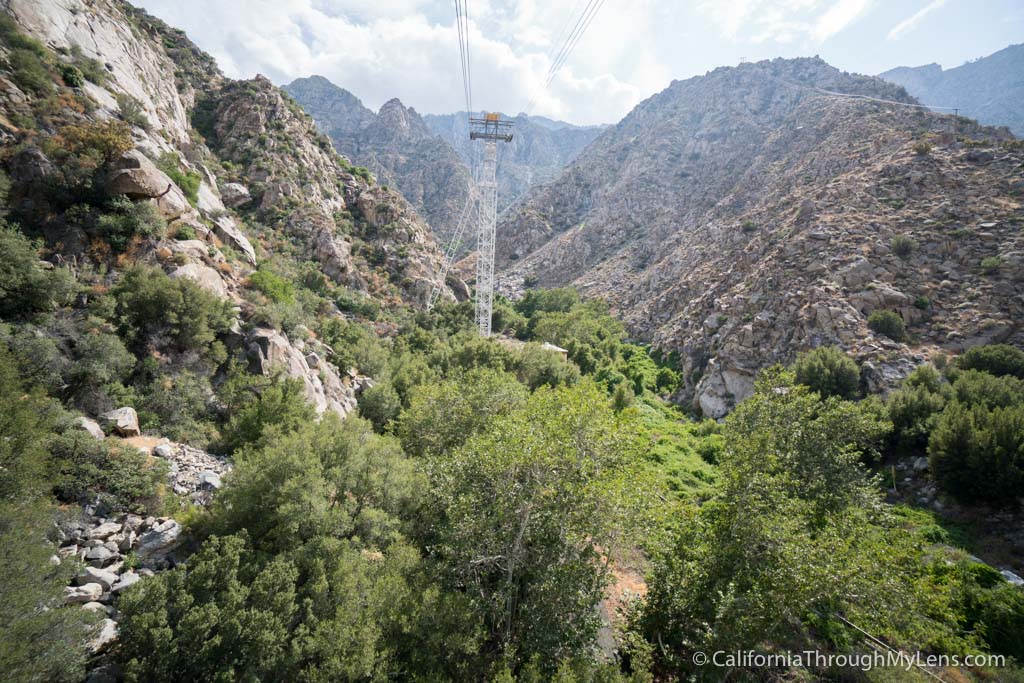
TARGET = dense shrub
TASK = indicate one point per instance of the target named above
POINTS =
(178, 406)
(888, 323)
(996, 359)
(380, 405)
(119, 476)
(30, 71)
(25, 286)
(93, 70)
(122, 220)
(188, 181)
(103, 140)
(72, 75)
(828, 371)
(991, 264)
(275, 287)
(977, 453)
(256, 404)
(903, 246)
(973, 387)
(175, 313)
(101, 364)
(537, 366)
(913, 411)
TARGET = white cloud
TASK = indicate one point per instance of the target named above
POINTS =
(409, 49)
(782, 21)
(911, 22)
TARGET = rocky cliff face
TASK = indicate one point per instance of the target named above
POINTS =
(396, 145)
(263, 175)
(739, 217)
(989, 89)
(539, 150)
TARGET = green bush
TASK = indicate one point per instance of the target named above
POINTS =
(185, 232)
(257, 404)
(923, 303)
(101, 363)
(995, 359)
(122, 220)
(178, 407)
(133, 112)
(275, 287)
(888, 323)
(903, 246)
(828, 371)
(174, 313)
(93, 70)
(25, 286)
(922, 148)
(188, 181)
(536, 366)
(749, 227)
(30, 71)
(380, 405)
(72, 75)
(913, 411)
(991, 264)
(120, 476)
(976, 388)
(977, 453)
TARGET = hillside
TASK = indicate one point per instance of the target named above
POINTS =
(539, 150)
(741, 216)
(396, 145)
(989, 89)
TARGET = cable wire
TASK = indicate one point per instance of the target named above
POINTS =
(586, 17)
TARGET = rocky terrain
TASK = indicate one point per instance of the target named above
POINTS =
(989, 89)
(429, 158)
(238, 179)
(396, 145)
(739, 217)
(539, 150)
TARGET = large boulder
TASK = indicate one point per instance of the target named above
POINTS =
(79, 595)
(226, 229)
(160, 541)
(92, 427)
(136, 177)
(206, 277)
(104, 578)
(235, 194)
(122, 421)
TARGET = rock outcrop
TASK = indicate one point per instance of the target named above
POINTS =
(742, 216)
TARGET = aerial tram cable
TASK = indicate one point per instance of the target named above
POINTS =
(582, 24)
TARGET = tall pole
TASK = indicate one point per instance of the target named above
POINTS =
(491, 129)
(485, 239)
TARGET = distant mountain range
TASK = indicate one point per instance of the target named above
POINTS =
(429, 158)
(989, 89)
(738, 217)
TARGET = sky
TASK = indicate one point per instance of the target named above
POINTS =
(409, 49)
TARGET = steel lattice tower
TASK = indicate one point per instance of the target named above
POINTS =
(490, 129)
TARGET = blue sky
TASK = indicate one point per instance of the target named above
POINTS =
(633, 49)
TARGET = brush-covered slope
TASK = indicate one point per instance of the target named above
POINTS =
(396, 145)
(739, 217)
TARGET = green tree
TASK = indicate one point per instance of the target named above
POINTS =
(828, 371)
(995, 359)
(151, 306)
(527, 503)
(441, 416)
(787, 531)
(25, 286)
(888, 323)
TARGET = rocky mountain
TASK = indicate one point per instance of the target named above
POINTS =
(138, 170)
(396, 145)
(539, 150)
(738, 217)
(989, 89)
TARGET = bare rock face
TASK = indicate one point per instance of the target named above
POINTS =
(227, 230)
(235, 195)
(325, 389)
(136, 177)
(326, 205)
(740, 217)
(122, 421)
(206, 277)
